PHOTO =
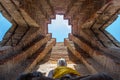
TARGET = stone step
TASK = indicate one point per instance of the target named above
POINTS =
(59, 48)
(59, 44)
(59, 51)
(56, 57)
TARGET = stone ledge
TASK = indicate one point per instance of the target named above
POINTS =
(88, 62)
(99, 56)
(25, 54)
(41, 55)
(8, 66)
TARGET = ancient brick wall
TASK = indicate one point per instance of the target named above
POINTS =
(88, 18)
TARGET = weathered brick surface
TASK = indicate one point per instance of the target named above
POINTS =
(88, 18)
(10, 63)
(41, 55)
(86, 62)
(101, 57)
(90, 14)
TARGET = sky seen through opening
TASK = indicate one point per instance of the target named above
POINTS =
(114, 29)
(4, 26)
(59, 28)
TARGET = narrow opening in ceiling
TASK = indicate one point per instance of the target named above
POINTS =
(4, 26)
(59, 28)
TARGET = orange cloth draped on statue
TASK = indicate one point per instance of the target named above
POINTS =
(63, 70)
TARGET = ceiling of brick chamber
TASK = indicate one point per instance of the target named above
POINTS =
(31, 17)
(89, 18)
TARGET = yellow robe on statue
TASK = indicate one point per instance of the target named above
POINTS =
(62, 70)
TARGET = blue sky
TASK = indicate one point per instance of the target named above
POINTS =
(60, 28)
(4, 26)
(114, 29)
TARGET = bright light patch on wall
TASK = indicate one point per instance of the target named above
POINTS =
(59, 28)
(4, 26)
(114, 29)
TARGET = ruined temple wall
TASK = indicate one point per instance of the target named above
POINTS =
(93, 28)
(22, 23)
(91, 31)
(37, 11)
(106, 60)
(88, 17)
(14, 63)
